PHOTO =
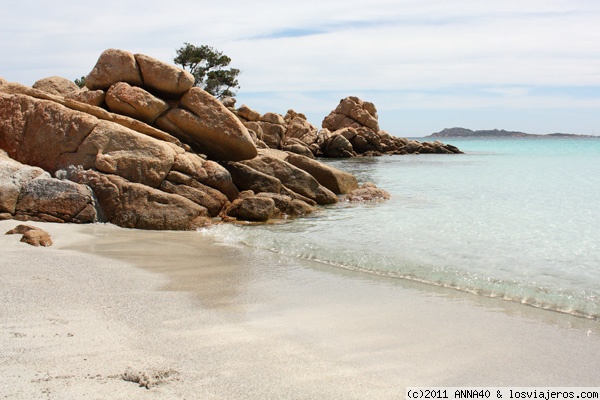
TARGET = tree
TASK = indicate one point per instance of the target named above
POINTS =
(80, 82)
(208, 67)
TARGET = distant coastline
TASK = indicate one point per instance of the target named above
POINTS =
(463, 132)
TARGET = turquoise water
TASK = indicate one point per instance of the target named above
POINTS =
(516, 219)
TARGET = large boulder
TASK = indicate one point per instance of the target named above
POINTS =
(56, 85)
(114, 66)
(135, 102)
(203, 195)
(339, 182)
(54, 200)
(114, 149)
(293, 178)
(247, 113)
(163, 78)
(30, 193)
(132, 205)
(247, 178)
(13, 175)
(206, 172)
(337, 146)
(209, 127)
(37, 132)
(255, 208)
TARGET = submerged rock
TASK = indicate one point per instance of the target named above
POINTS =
(367, 193)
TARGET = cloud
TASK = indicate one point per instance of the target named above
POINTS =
(402, 55)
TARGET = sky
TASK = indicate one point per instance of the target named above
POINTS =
(523, 65)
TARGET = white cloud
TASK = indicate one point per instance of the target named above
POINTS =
(408, 54)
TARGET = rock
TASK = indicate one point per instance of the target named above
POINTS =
(114, 66)
(288, 206)
(132, 205)
(134, 102)
(54, 200)
(182, 124)
(339, 182)
(32, 235)
(30, 193)
(207, 197)
(366, 140)
(337, 146)
(367, 193)
(206, 172)
(247, 113)
(56, 85)
(98, 112)
(37, 237)
(114, 149)
(272, 134)
(293, 178)
(297, 127)
(163, 78)
(413, 146)
(273, 118)
(229, 102)
(255, 208)
(37, 132)
(352, 112)
(212, 129)
(91, 97)
(247, 178)
(356, 121)
(144, 177)
(296, 146)
(13, 175)
(52, 137)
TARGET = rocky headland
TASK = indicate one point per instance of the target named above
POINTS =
(141, 147)
(498, 133)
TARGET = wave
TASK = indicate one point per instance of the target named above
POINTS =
(580, 303)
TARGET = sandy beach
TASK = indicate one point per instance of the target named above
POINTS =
(111, 313)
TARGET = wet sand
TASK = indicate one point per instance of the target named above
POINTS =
(105, 308)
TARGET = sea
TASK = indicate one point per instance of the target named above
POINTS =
(516, 219)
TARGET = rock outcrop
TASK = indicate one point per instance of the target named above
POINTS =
(352, 112)
(350, 130)
(141, 147)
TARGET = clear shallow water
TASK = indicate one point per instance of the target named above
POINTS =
(516, 219)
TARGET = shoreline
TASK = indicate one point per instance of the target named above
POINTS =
(226, 322)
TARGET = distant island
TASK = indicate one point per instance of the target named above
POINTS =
(463, 132)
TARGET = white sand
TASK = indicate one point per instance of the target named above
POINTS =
(74, 323)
